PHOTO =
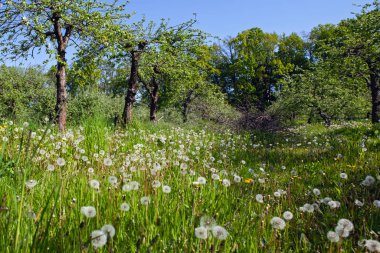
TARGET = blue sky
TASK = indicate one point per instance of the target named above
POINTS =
(229, 17)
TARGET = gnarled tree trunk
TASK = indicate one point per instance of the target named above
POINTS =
(153, 101)
(130, 97)
(375, 96)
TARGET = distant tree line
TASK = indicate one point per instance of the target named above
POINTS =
(330, 74)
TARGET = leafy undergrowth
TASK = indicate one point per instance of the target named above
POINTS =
(162, 189)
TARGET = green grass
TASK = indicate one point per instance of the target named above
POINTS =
(48, 217)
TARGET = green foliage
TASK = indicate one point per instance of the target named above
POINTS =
(25, 92)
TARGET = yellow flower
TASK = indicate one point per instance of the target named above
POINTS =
(248, 180)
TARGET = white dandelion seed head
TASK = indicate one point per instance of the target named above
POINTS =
(259, 198)
(201, 233)
(277, 223)
(237, 178)
(166, 189)
(201, 180)
(368, 181)
(287, 215)
(156, 184)
(109, 230)
(343, 175)
(94, 184)
(219, 232)
(112, 180)
(107, 162)
(359, 203)
(341, 231)
(61, 162)
(88, 211)
(145, 200)
(332, 236)
(98, 238)
(30, 183)
(372, 245)
(215, 177)
(125, 207)
(316, 191)
(346, 224)
(376, 203)
(226, 182)
(207, 222)
(50, 167)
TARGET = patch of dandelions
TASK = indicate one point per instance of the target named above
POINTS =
(208, 226)
(278, 223)
(342, 230)
(98, 238)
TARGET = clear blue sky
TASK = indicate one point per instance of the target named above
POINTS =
(229, 17)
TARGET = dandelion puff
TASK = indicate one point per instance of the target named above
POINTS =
(166, 189)
(237, 179)
(107, 162)
(145, 200)
(332, 236)
(316, 191)
(376, 203)
(260, 198)
(201, 180)
(112, 180)
(346, 224)
(215, 177)
(156, 184)
(201, 233)
(125, 207)
(372, 245)
(341, 231)
(88, 211)
(359, 203)
(30, 183)
(277, 194)
(50, 167)
(343, 175)
(277, 223)
(98, 238)
(61, 162)
(287, 215)
(95, 184)
(226, 182)
(368, 181)
(219, 232)
(207, 222)
(109, 230)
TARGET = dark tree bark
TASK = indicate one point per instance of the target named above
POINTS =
(375, 96)
(130, 97)
(62, 42)
(185, 105)
(153, 101)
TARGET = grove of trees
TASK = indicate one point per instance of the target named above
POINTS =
(330, 74)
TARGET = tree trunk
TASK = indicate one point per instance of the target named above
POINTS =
(325, 117)
(130, 97)
(61, 105)
(375, 97)
(154, 100)
(185, 106)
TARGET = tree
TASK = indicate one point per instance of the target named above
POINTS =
(29, 25)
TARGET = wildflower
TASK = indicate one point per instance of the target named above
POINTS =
(201, 233)
(112, 180)
(90, 170)
(308, 208)
(5, 139)
(109, 230)
(372, 245)
(156, 184)
(219, 232)
(215, 177)
(201, 180)
(237, 179)
(376, 203)
(260, 198)
(287, 215)
(61, 162)
(98, 238)
(277, 223)
(207, 222)
(332, 236)
(88, 211)
(226, 182)
(50, 167)
(107, 162)
(346, 224)
(334, 204)
(30, 183)
(343, 175)
(277, 194)
(316, 192)
(124, 207)
(368, 181)
(95, 184)
(248, 180)
(166, 189)
(145, 200)
(359, 203)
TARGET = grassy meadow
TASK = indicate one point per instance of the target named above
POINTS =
(159, 188)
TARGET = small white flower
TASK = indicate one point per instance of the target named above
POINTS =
(109, 230)
(107, 161)
(88, 211)
(219, 232)
(98, 238)
(156, 184)
(316, 191)
(95, 184)
(226, 182)
(145, 200)
(125, 207)
(201, 180)
(332, 236)
(50, 167)
(61, 162)
(260, 198)
(166, 189)
(277, 223)
(343, 175)
(201, 233)
(112, 180)
(30, 183)
(237, 179)
(287, 215)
